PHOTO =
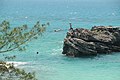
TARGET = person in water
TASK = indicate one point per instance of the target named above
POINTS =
(37, 52)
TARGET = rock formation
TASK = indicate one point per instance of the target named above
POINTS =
(98, 40)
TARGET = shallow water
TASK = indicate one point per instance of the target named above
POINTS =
(50, 64)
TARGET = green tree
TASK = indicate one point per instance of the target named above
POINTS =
(9, 72)
(16, 38)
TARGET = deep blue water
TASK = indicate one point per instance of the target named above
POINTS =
(50, 64)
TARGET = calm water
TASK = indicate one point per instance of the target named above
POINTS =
(50, 64)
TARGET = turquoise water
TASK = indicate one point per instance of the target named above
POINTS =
(50, 64)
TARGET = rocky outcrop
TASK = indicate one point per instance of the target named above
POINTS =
(98, 40)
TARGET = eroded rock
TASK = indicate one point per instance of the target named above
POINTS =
(98, 40)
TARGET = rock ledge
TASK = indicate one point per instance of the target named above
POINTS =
(98, 40)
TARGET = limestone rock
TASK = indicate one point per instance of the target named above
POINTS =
(98, 40)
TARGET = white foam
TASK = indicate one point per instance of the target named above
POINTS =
(113, 14)
(17, 63)
(26, 17)
(56, 51)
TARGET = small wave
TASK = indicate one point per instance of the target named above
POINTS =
(113, 14)
(17, 63)
(56, 51)
(26, 17)
(61, 42)
(73, 13)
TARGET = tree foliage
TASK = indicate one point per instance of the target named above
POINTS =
(16, 38)
(9, 72)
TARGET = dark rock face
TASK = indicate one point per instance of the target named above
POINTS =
(98, 40)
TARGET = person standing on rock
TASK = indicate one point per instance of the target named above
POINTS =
(71, 31)
(70, 26)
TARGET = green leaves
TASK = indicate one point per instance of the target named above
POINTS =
(4, 26)
(9, 72)
(18, 36)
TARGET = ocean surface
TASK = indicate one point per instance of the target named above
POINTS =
(50, 63)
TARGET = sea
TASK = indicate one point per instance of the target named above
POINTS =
(50, 63)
